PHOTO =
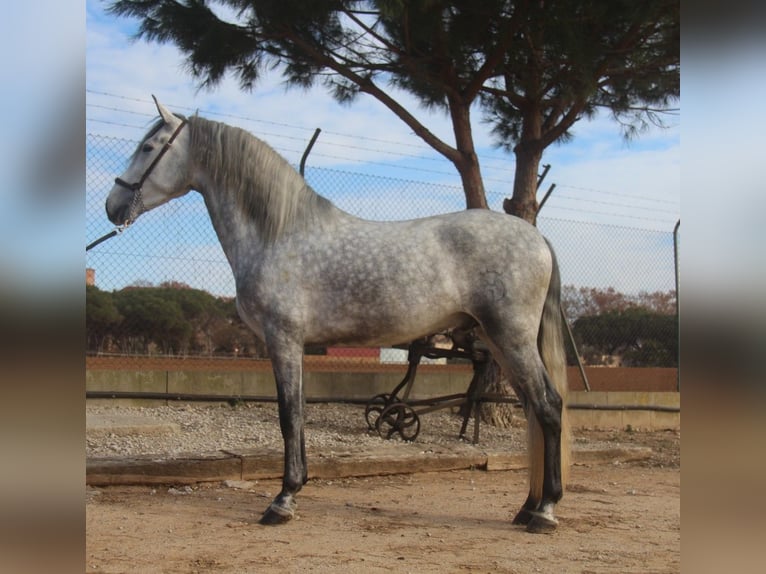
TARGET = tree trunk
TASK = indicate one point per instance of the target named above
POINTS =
(473, 186)
(488, 378)
(523, 203)
(466, 161)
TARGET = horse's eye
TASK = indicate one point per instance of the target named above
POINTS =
(147, 148)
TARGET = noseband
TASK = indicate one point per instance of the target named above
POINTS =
(138, 205)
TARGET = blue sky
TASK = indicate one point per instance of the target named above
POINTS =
(600, 178)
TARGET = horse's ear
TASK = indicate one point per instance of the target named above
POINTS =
(164, 113)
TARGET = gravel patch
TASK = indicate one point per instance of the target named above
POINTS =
(329, 427)
(190, 428)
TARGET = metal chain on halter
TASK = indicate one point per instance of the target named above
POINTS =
(137, 205)
(136, 208)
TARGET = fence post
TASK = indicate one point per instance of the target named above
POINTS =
(580, 366)
(308, 149)
(546, 196)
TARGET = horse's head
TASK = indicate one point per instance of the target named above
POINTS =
(158, 170)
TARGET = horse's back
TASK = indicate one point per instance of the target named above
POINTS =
(441, 255)
(489, 236)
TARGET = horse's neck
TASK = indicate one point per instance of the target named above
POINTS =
(236, 234)
(242, 241)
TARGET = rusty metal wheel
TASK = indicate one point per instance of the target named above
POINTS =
(374, 407)
(398, 418)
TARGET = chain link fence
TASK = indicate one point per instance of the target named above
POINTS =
(164, 288)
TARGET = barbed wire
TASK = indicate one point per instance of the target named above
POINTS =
(612, 203)
(636, 197)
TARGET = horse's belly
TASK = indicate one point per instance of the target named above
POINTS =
(376, 325)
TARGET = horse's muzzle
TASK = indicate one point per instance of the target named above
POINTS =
(118, 216)
(119, 206)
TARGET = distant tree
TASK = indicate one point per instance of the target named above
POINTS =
(101, 317)
(151, 318)
(582, 301)
(585, 301)
(234, 337)
(641, 337)
(173, 285)
(662, 302)
(236, 340)
(200, 311)
(641, 329)
(226, 340)
(172, 318)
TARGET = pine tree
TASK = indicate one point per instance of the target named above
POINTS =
(532, 69)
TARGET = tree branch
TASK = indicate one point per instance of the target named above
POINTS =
(366, 85)
(491, 63)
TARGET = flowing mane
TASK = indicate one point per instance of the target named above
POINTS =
(264, 185)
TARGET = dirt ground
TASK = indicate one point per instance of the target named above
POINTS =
(613, 518)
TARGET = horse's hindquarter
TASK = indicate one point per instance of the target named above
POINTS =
(374, 283)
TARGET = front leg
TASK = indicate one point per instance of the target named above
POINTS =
(287, 361)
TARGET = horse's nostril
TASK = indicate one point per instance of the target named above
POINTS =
(117, 216)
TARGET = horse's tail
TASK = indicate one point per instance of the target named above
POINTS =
(550, 342)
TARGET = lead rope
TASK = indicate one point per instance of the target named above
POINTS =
(112, 233)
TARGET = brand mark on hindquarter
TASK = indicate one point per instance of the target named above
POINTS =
(492, 287)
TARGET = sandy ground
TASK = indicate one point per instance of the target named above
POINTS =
(614, 518)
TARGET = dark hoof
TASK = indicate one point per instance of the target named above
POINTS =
(276, 515)
(523, 517)
(541, 524)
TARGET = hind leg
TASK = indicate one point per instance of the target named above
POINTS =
(524, 516)
(543, 406)
(532, 508)
(533, 499)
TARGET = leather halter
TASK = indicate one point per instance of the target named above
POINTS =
(137, 185)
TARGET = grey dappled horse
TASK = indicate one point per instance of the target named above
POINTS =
(306, 272)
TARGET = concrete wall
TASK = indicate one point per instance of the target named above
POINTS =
(364, 385)
(346, 385)
(625, 410)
